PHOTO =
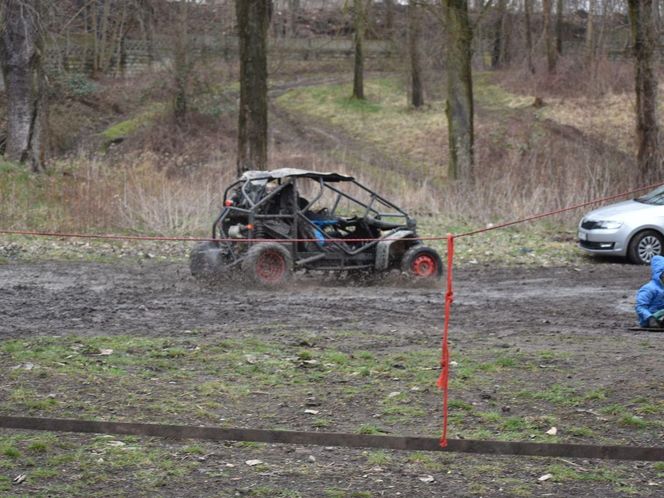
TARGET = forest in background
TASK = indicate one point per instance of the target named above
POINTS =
(134, 108)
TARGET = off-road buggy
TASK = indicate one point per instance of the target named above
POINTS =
(276, 222)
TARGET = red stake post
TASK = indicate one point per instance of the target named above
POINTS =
(445, 355)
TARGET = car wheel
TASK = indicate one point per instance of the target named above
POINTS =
(268, 264)
(422, 262)
(204, 260)
(643, 246)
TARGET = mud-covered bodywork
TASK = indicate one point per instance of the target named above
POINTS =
(274, 222)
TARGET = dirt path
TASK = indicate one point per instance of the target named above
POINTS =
(321, 138)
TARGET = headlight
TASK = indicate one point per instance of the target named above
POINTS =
(608, 224)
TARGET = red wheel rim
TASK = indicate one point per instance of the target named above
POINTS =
(271, 267)
(424, 265)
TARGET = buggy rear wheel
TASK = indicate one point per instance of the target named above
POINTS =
(268, 264)
(422, 262)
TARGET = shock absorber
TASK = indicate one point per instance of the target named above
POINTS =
(259, 230)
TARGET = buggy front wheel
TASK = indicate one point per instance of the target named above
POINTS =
(204, 260)
(268, 264)
(422, 262)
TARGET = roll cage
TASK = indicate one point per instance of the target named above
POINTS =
(270, 205)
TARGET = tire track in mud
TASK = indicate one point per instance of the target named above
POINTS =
(157, 298)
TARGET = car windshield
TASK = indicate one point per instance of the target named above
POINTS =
(656, 197)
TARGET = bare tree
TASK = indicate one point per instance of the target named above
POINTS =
(253, 20)
(559, 27)
(389, 15)
(359, 25)
(548, 36)
(479, 7)
(590, 33)
(644, 45)
(181, 65)
(498, 53)
(293, 14)
(528, 7)
(459, 107)
(21, 49)
(108, 22)
(416, 90)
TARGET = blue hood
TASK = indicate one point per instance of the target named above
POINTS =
(650, 297)
(657, 267)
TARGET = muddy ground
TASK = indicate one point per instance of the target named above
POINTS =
(533, 348)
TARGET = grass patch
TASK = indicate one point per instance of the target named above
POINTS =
(633, 421)
(10, 451)
(474, 370)
(595, 395)
(581, 432)
(655, 408)
(429, 462)
(340, 493)
(562, 473)
(659, 468)
(374, 120)
(378, 458)
(557, 394)
(613, 409)
(371, 429)
(125, 128)
(35, 200)
(51, 459)
(490, 417)
(495, 97)
(457, 404)
(612, 126)
(211, 381)
(266, 491)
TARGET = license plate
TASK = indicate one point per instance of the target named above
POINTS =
(583, 236)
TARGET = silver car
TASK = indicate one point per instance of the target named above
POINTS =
(634, 228)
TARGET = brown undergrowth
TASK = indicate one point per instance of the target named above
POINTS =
(134, 170)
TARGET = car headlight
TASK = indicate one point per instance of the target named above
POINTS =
(608, 224)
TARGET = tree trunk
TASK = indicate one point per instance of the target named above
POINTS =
(644, 44)
(359, 26)
(119, 42)
(94, 21)
(102, 55)
(87, 29)
(21, 48)
(600, 38)
(150, 14)
(590, 35)
(293, 13)
(478, 39)
(506, 34)
(559, 27)
(498, 49)
(416, 91)
(548, 36)
(527, 7)
(459, 108)
(389, 16)
(181, 65)
(253, 22)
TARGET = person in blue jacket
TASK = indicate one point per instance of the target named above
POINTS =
(650, 297)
